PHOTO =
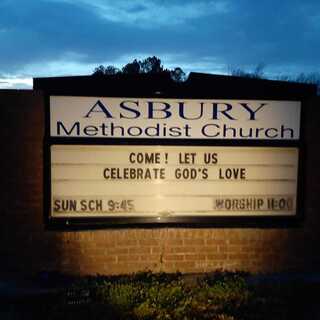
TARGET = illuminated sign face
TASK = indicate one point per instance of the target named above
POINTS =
(89, 117)
(137, 160)
(126, 181)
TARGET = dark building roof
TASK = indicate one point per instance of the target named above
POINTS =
(198, 85)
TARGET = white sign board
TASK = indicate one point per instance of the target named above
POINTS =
(157, 118)
(162, 181)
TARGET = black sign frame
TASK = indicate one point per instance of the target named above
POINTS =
(171, 221)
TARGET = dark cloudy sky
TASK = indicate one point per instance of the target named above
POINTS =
(72, 37)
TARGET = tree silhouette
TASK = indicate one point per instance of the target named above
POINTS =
(257, 73)
(153, 65)
(150, 65)
(178, 75)
(132, 67)
(109, 70)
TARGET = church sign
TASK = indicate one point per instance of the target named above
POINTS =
(158, 160)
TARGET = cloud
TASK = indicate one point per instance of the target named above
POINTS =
(60, 31)
(148, 14)
(70, 37)
(15, 83)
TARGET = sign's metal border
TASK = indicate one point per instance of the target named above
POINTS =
(181, 221)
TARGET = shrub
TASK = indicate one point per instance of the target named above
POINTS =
(148, 296)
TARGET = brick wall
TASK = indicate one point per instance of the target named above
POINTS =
(27, 247)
